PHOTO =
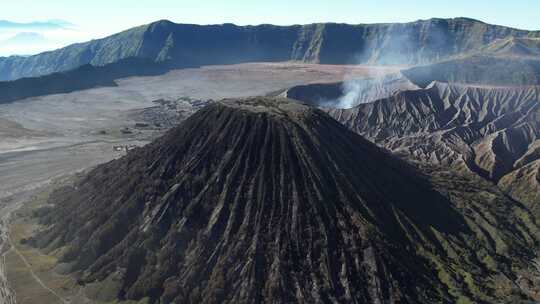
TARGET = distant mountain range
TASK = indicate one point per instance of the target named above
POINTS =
(180, 45)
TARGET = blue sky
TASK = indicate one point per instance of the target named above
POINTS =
(98, 18)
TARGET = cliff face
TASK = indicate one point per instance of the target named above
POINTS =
(187, 45)
(263, 200)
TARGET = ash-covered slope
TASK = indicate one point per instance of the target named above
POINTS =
(182, 45)
(513, 46)
(268, 201)
(507, 61)
(492, 131)
(479, 69)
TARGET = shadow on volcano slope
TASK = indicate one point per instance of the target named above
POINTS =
(81, 78)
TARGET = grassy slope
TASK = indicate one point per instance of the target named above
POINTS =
(23, 262)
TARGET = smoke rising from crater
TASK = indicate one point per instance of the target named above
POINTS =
(357, 91)
(399, 45)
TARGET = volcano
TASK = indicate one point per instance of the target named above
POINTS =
(263, 200)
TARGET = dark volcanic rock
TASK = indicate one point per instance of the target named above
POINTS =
(267, 201)
(182, 45)
(316, 94)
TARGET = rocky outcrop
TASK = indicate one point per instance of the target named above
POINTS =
(182, 45)
(264, 200)
(523, 184)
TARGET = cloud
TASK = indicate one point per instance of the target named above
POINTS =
(55, 34)
(18, 38)
(24, 43)
(26, 38)
(35, 25)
